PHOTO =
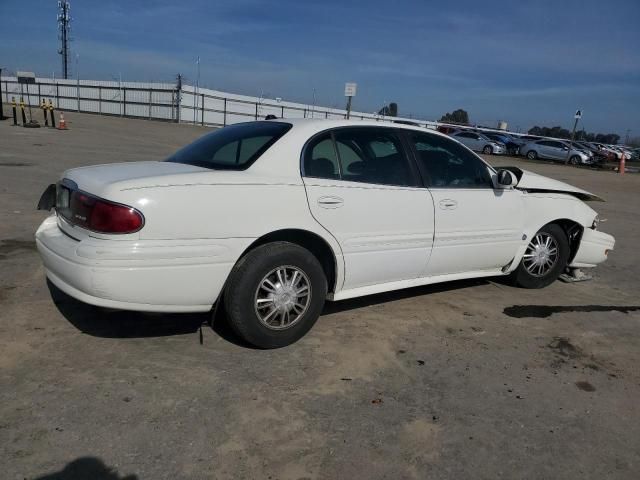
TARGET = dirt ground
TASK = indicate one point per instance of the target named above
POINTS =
(472, 379)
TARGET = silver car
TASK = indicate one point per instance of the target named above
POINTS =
(554, 150)
(480, 143)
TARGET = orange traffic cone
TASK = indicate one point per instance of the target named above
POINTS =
(62, 125)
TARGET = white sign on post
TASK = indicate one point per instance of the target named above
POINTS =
(350, 89)
(578, 114)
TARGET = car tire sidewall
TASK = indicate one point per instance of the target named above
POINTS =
(574, 160)
(524, 279)
(487, 150)
(532, 155)
(239, 296)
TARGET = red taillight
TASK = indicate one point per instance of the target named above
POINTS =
(100, 215)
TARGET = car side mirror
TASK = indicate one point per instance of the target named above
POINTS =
(565, 149)
(506, 178)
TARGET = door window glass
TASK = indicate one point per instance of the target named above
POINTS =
(448, 164)
(320, 159)
(373, 155)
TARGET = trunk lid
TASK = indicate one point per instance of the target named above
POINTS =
(104, 180)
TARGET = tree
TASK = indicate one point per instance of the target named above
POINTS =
(390, 110)
(559, 132)
(457, 116)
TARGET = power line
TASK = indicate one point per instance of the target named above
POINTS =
(64, 27)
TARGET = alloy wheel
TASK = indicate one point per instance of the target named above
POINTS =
(541, 254)
(282, 297)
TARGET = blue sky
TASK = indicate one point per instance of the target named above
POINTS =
(525, 62)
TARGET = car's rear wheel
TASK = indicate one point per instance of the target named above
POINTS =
(275, 294)
(574, 160)
(487, 150)
(532, 155)
(544, 259)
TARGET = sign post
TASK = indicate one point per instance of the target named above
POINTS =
(577, 116)
(27, 78)
(349, 92)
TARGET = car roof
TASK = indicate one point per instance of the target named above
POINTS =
(316, 125)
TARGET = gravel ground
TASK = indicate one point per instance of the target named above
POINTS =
(472, 379)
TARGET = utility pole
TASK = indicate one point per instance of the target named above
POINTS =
(577, 116)
(64, 26)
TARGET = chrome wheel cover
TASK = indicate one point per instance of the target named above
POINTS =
(282, 297)
(541, 254)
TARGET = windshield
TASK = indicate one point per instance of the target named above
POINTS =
(231, 148)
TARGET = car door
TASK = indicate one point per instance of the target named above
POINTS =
(478, 228)
(363, 189)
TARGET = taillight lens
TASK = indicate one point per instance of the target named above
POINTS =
(101, 215)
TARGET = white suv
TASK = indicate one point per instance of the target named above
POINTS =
(274, 217)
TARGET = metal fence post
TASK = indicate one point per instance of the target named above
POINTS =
(202, 110)
(282, 111)
(39, 95)
(57, 96)
(99, 99)
(150, 95)
(224, 116)
(256, 111)
(124, 102)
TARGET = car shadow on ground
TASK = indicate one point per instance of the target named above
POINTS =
(86, 468)
(109, 323)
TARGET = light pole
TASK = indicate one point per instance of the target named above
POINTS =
(78, 80)
(195, 96)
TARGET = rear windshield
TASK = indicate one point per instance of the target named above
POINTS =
(234, 147)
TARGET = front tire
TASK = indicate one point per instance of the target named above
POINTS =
(532, 155)
(545, 258)
(487, 150)
(574, 160)
(275, 294)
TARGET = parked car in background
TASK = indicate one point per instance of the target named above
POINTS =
(513, 145)
(598, 157)
(480, 143)
(272, 218)
(554, 150)
(611, 154)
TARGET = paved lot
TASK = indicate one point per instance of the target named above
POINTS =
(463, 380)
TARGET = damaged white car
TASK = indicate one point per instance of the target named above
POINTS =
(272, 218)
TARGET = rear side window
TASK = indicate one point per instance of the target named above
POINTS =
(373, 155)
(234, 147)
(321, 160)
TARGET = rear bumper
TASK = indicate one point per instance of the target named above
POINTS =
(150, 276)
(593, 249)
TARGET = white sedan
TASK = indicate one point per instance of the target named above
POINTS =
(272, 218)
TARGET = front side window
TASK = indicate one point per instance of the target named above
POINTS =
(449, 164)
(373, 155)
(234, 147)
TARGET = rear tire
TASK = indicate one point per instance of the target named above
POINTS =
(532, 155)
(275, 294)
(545, 258)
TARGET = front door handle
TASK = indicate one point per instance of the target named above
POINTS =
(330, 202)
(448, 204)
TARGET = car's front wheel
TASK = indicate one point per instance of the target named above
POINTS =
(532, 155)
(275, 294)
(544, 259)
(487, 150)
(574, 160)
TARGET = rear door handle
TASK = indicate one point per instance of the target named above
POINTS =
(330, 202)
(448, 204)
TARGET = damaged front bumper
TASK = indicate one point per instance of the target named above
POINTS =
(594, 249)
